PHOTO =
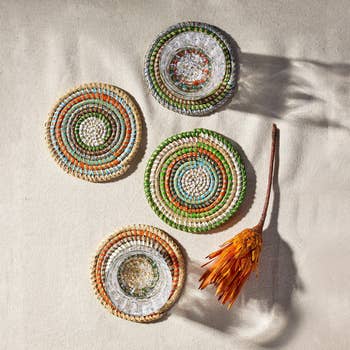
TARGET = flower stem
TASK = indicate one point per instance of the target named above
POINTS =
(260, 225)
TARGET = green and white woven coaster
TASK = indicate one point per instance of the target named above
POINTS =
(192, 68)
(195, 181)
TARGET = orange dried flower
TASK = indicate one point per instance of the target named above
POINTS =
(231, 265)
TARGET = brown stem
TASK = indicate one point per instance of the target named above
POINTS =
(260, 225)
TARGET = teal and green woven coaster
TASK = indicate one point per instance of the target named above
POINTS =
(195, 181)
(192, 68)
(94, 131)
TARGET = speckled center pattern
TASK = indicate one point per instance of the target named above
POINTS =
(138, 275)
(190, 69)
(92, 131)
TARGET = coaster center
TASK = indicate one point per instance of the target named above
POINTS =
(92, 131)
(190, 69)
(196, 182)
(138, 275)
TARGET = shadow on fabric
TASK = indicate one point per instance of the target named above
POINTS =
(284, 88)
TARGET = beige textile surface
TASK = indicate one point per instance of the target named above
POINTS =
(295, 72)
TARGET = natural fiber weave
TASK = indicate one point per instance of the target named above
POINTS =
(192, 68)
(93, 131)
(133, 239)
(195, 181)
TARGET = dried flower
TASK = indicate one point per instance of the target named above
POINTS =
(231, 265)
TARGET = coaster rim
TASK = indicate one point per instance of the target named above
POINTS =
(129, 99)
(176, 249)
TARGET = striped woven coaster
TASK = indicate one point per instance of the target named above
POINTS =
(94, 131)
(195, 181)
(192, 68)
(138, 273)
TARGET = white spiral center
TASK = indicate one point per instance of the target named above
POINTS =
(92, 131)
(196, 182)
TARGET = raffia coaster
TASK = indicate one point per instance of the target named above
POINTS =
(195, 181)
(192, 68)
(93, 131)
(138, 273)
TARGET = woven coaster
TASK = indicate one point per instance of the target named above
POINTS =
(94, 131)
(195, 181)
(192, 68)
(138, 273)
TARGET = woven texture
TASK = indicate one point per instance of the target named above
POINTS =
(192, 68)
(195, 181)
(138, 273)
(94, 131)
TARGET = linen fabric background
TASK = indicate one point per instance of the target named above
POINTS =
(295, 72)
